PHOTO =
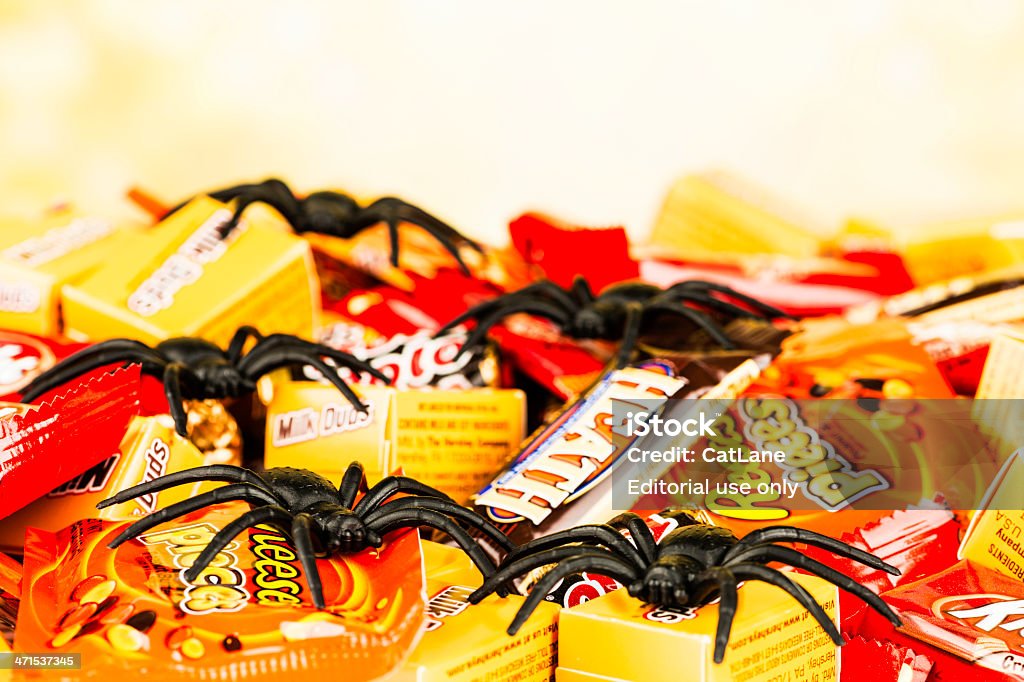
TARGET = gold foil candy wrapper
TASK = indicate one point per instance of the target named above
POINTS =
(214, 431)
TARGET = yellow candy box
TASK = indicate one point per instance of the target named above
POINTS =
(619, 638)
(453, 440)
(181, 278)
(37, 258)
(466, 643)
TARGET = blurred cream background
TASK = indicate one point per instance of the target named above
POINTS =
(904, 112)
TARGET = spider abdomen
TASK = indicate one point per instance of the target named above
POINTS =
(301, 489)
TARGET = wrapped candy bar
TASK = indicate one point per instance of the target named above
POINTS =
(864, 659)
(969, 611)
(132, 608)
(42, 447)
(23, 357)
(150, 449)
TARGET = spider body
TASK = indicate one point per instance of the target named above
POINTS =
(339, 215)
(195, 369)
(691, 566)
(618, 313)
(320, 519)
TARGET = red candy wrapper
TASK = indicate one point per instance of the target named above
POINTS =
(23, 357)
(797, 299)
(868, 659)
(43, 446)
(411, 360)
(554, 246)
(970, 616)
(433, 301)
(919, 542)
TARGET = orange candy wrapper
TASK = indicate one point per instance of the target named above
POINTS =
(130, 609)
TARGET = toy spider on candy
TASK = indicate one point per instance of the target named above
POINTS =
(317, 516)
(692, 565)
(618, 312)
(194, 369)
(339, 215)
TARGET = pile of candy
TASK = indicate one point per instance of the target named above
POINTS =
(260, 435)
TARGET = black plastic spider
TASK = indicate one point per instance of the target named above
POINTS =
(318, 517)
(194, 369)
(339, 215)
(691, 566)
(619, 311)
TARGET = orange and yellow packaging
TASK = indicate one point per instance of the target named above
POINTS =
(463, 642)
(37, 258)
(131, 609)
(181, 278)
(453, 440)
(618, 638)
(150, 449)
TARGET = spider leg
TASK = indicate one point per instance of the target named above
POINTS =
(94, 357)
(272, 192)
(278, 341)
(174, 375)
(394, 211)
(392, 485)
(640, 532)
(236, 491)
(238, 341)
(414, 518)
(302, 536)
(766, 309)
(539, 308)
(793, 589)
(282, 357)
(699, 318)
(728, 596)
(396, 243)
(592, 534)
(411, 213)
(213, 472)
(222, 195)
(714, 303)
(798, 560)
(631, 330)
(512, 303)
(604, 564)
(352, 483)
(511, 568)
(466, 516)
(275, 515)
(535, 291)
(809, 537)
(581, 290)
